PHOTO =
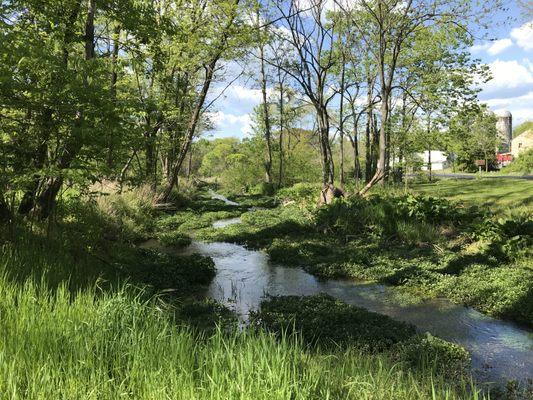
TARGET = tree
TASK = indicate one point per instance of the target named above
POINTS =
(310, 37)
(474, 136)
(388, 26)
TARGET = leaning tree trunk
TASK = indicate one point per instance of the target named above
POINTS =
(191, 129)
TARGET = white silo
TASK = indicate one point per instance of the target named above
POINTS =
(505, 129)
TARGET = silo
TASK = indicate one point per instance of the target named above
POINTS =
(505, 129)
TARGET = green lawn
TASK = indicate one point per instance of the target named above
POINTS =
(498, 194)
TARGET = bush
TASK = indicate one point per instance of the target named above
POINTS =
(131, 212)
(508, 238)
(523, 164)
(305, 194)
(408, 218)
(322, 320)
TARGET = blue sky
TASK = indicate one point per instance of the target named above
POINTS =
(509, 56)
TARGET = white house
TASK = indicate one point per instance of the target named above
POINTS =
(439, 160)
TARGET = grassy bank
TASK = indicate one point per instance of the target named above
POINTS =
(70, 331)
(86, 314)
(117, 345)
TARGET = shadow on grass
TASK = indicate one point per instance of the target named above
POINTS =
(67, 258)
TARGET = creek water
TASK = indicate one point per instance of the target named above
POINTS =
(500, 350)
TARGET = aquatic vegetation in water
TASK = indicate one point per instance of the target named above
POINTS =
(323, 320)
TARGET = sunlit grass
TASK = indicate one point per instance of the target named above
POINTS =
(111, 344)
(494, 194)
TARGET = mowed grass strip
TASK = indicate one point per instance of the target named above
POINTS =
(496, 194)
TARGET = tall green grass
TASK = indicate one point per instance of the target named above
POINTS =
(117, 345)
(57, 342)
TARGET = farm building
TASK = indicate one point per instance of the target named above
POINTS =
(439, 160)
(522, 142)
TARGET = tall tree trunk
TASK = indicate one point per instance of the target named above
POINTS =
(266, 116)
(46, 200)
(355, 144)
(328, 173)
(341, 122)
(281, 128)
(369, 144)
(430, 164)
(113, 92)
(189, 166)
(388, 152)
(379, 175)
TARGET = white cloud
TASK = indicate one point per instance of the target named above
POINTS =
(235, 125)
(499, 45)
(524, 36)
(521, 107)
(492, 48)
(478, 48)
(239, 92)
(509, 75)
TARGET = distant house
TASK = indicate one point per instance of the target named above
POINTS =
(439, 160)
(522, 142)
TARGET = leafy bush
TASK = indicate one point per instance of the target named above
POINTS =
(328, 322)
(408, 218)
(305, 194)
(523, 164)
(507, 238)
(131, 212)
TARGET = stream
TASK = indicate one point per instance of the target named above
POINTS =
(500, 350)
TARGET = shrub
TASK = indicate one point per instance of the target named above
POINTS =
(508, 238)
(131, 212)
(523, 164)
(409, 218)
(305, 194)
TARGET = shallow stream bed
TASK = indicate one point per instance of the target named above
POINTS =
(500, 350)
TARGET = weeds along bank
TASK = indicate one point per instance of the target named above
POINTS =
(117, 345)
(85, 314)
(424, 245)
